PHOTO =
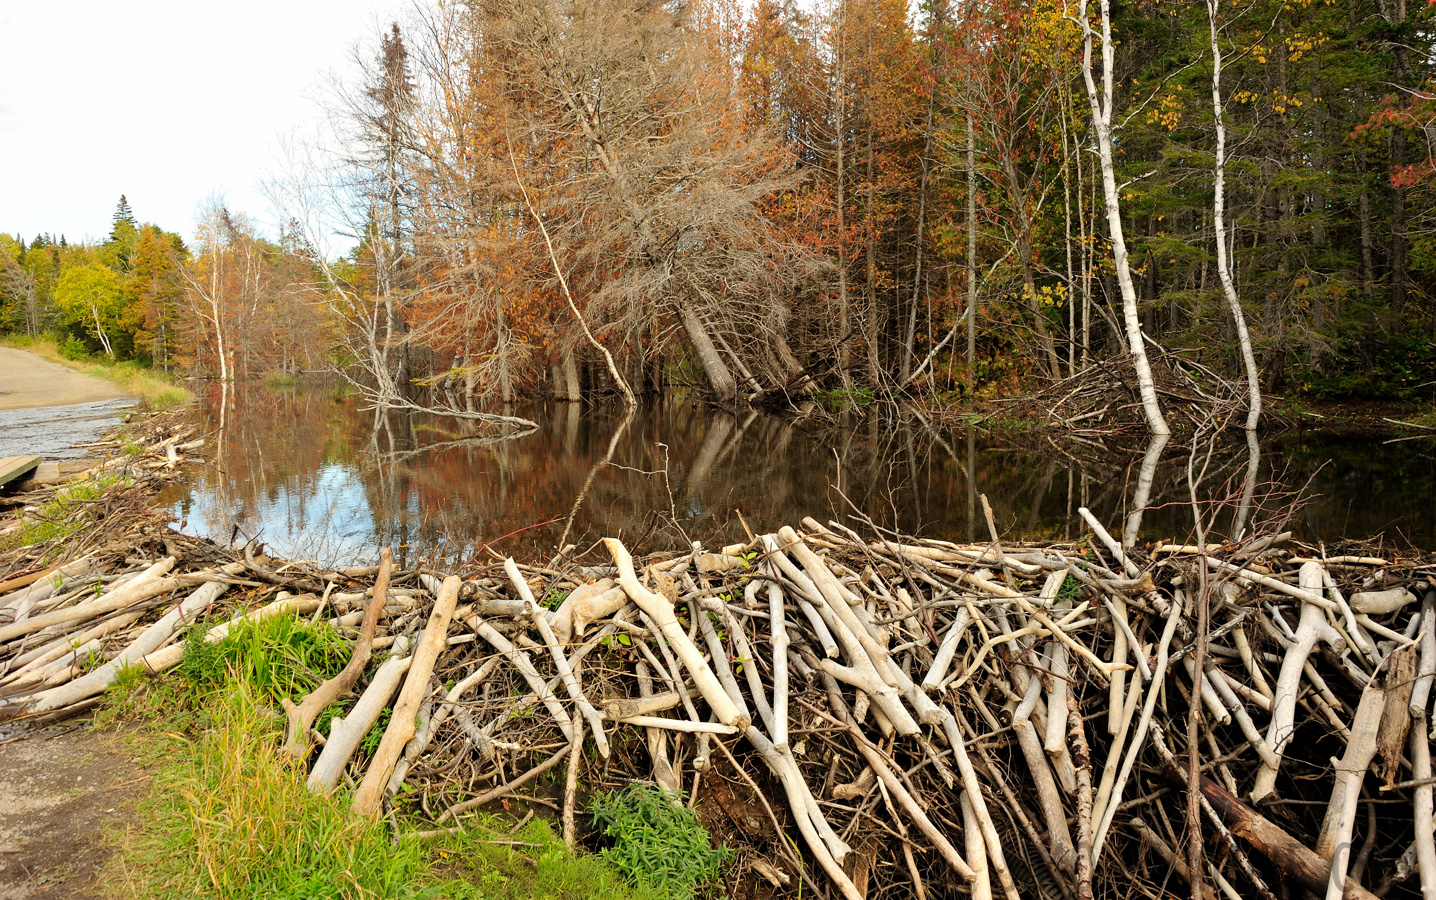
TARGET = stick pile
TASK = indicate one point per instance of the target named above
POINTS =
(858, 717)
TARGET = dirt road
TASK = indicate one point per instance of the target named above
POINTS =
(61, 788)
(29, 382)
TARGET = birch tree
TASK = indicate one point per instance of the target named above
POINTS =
(1102, 101)
(1224, 269)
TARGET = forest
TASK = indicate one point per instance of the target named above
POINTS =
(574, 197)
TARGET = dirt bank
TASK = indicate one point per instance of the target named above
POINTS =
(61, 787)
(29, 382)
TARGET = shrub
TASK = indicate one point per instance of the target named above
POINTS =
(657, 843)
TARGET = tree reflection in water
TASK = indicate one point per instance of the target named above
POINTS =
(315, 476)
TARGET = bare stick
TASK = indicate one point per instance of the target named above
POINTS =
(570, 787)
(661, 611)
(1312, 627)
(1083, 762)
(510, 787)
(565, 671)
(1159, 673)
(1333, 844)
(346, 732)
(302, 716)
(905, 800)
(1274, 843)
(976, 852)
(525, 666)
(401, 724)
(1422, 806)
(779, 639)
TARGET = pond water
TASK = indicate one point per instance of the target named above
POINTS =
(315, 476)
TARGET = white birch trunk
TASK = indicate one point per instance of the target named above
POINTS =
(1224, 269)
(1102, 125)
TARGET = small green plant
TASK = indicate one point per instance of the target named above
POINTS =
(657, 843)
(1069, 590)
(74, 348)
(281, 381)
(376, 732)
(335, 710)
(840, 397)
(68, 512)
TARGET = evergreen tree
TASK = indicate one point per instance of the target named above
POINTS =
(119, 250)
(124, 219)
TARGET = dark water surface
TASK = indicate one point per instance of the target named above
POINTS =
(317, 477)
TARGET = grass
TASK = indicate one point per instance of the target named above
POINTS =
(281, 381)
(156, 389)
(67, 512)
(229, 816)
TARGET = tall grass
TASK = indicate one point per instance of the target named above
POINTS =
(230, 818)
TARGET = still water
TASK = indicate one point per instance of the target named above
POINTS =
(315, 476)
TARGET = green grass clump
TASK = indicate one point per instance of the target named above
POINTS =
(278, 657)
(657, 843)
(281, 381)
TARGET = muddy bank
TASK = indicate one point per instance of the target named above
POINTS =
(62, 787)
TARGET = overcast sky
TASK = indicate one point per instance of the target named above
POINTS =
(165, 102)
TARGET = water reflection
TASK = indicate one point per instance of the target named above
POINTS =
(317, 477)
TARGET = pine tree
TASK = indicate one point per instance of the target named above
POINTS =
(119, 250)
(123, 217)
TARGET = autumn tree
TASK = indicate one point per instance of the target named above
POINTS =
(623, 125)
(92, 295)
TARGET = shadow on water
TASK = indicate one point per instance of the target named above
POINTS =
(317, 477)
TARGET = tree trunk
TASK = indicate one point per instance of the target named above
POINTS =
(720, 380)
(911, 336)
(1102, 124)
(971, 256)
(1219, 222)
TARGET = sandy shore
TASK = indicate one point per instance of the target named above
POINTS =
(29, 382)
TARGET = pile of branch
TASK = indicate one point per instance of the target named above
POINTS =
(1104, 399)
(858, 716)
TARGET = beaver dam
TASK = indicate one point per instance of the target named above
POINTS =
(853, 715)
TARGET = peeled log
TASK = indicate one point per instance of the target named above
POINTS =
(401, 723)
(346, 732)
(146, 585)
(149, 641)
(660, 610)
(1311, 627)
(303, 715)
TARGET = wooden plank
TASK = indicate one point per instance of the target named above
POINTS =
(13, 468)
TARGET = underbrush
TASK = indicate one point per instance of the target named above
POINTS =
(230, 816)
(68, 512)
(156, 389)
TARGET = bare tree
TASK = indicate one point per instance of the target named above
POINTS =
(1224, 269)
(1102, 101)
(629, 129)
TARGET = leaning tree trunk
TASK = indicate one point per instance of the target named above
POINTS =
(719, 378)
(1102, 124)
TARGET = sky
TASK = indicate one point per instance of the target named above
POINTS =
(168, 103)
